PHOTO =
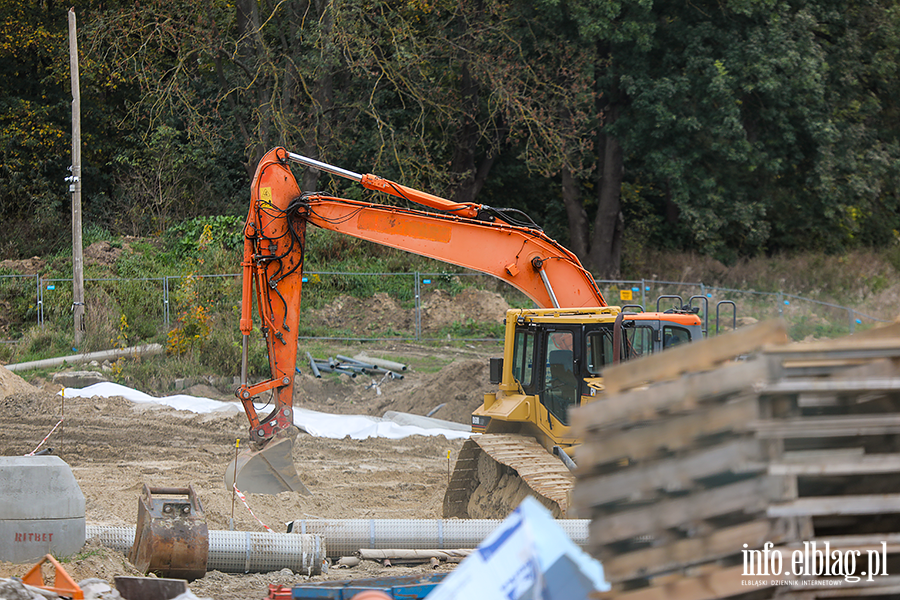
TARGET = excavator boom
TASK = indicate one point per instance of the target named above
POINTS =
(525, 258)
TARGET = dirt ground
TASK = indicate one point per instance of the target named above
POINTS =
(114, 447)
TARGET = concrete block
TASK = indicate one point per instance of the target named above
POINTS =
(41, 509)
(78, 379)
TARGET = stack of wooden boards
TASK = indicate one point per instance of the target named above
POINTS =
(721, 469)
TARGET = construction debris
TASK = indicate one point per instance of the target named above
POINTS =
(747, 466)
(527, 556)
(62, 585)
(352, 367)
(400, 556)
(150, 588)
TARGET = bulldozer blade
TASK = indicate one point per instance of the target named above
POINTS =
(267, 471)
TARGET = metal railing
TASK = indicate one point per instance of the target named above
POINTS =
(780, 300)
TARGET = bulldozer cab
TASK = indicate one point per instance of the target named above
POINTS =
(556, 362)
(546, 365)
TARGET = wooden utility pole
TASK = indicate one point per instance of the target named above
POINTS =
(75, 187)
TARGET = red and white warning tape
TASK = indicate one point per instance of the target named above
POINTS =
(45, 439)
(244, 500)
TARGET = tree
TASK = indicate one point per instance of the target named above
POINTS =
(35, 121)
(734, 118)
(732, 128)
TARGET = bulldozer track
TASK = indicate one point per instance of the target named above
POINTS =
(545, 474)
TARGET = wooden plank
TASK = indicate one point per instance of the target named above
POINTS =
(682, 553)
(680, 395)
(845, 542)
(820, 506)
(824, 587)
(678, 432)
(868, 464)
(750, 496)
(720, 583)
(800, 456)
(715, 584)
(831, 386)
(840, 349)
(881, 590)
(704, 354)
(889, 331)
(817, 400)
(837, 345)
(818, 368)
(670, 474)
(830, 426)
(836, 369)
(731, 581)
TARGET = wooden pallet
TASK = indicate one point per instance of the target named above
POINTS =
(755, 441)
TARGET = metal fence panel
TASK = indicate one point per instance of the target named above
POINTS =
(152, 306)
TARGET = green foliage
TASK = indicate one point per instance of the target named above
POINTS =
(810, 326)
(473, 329)
(192, 329)
(93, 232)
(43, 342)
(747, 126)
(225, 232)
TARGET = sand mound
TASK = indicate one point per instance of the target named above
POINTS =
(440, 309)
(459, 387)
(10, 383)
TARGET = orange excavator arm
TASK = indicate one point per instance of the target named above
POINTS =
(473, 236)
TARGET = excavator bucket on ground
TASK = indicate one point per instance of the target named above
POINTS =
(171, 538)
(267, 471)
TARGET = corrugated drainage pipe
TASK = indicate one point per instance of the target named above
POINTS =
(347, 536)
(238, 551)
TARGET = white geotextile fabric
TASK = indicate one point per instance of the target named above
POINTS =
(315, 423)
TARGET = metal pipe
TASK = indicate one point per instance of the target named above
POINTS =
(565, 458)
(238, 551)
(145, 350)
(547, 285)
(315, 164)
(245, 359)
(313, 366)
(389, 365)
(304, 548)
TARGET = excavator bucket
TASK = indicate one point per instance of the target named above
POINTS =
(267, 471)
(171, 538)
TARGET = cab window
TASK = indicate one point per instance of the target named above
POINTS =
(599, 350)
(638, 341)
(523, 357)
(673, 336)
(560, 383)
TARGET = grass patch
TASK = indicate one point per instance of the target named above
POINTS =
(123, 313)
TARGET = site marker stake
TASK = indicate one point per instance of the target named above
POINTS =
(237, 443)
(448, 467)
